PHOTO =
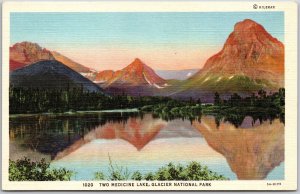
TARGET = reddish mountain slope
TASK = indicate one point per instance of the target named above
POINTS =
(70, 63)
(251, 59)
(248, 49)
(104, 76)
(135, 74)
(13, 65)
(85, 71)
(24, 53)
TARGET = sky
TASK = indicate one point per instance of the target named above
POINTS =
(112, 40)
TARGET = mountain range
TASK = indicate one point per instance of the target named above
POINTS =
(251, 59)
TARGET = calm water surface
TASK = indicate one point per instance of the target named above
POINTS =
(84, 142)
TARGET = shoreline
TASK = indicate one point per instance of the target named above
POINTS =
(75, 112)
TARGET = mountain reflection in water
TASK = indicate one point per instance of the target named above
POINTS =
(252, 150)
(50, 134)
(137, 131)
(251, 153)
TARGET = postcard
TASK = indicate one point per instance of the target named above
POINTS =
(169, 95)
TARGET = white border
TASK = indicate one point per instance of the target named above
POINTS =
(290, 41)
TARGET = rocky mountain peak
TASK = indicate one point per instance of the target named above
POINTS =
(251, 51)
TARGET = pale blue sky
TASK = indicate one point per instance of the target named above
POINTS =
(61, 31)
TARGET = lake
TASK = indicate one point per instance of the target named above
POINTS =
(83, 142)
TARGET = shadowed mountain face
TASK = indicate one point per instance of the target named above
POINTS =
(50, 74)
(251, 153)
(251, 59)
